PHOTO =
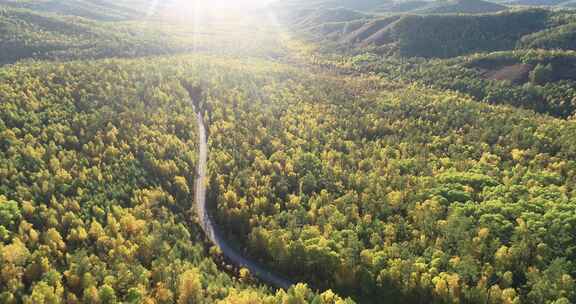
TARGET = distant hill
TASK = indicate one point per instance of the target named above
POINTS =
(464, 7)
(360, 5)
(377, 32)
(31, 34)
(403, 6)
(27, 34)
(444, 36)
(560, 37)
(554, 3)
(448, 36)
(538, 2)
(569, 4)
(440, 29)
(322, 16)
(101, 10)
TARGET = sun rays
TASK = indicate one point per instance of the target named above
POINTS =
(217, 25)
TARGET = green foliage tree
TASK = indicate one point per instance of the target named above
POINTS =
(542, 74)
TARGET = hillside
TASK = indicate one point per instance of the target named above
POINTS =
(560, 37)
(328, 16)
(360, 5)
(542, 81)
(462, 7)
(569, 4)
(31, 34)
(449, 35)
(63, 35)
(394, 6)
(403, 6)
(539, 80)
(538, 2)
(373, 32)
(446, 35)
(101, 10)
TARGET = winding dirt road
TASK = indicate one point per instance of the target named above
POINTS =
(212, 231)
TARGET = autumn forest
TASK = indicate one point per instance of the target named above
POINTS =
(287, 152)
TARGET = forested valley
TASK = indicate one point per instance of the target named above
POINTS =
(367, 151)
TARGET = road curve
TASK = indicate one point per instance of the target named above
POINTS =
(212, 231)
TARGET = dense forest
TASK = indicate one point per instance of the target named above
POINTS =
(409, 195)
(342, 154)
(437, 35)
(37, 35)
(98, 160)
(524, 58)
(68, 32)
(539, 80)
(97, 167)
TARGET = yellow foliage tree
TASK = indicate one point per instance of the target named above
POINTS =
(190, 288)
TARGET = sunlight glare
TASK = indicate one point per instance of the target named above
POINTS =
(223, 4)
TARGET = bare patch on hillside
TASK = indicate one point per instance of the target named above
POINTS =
(516, 73)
